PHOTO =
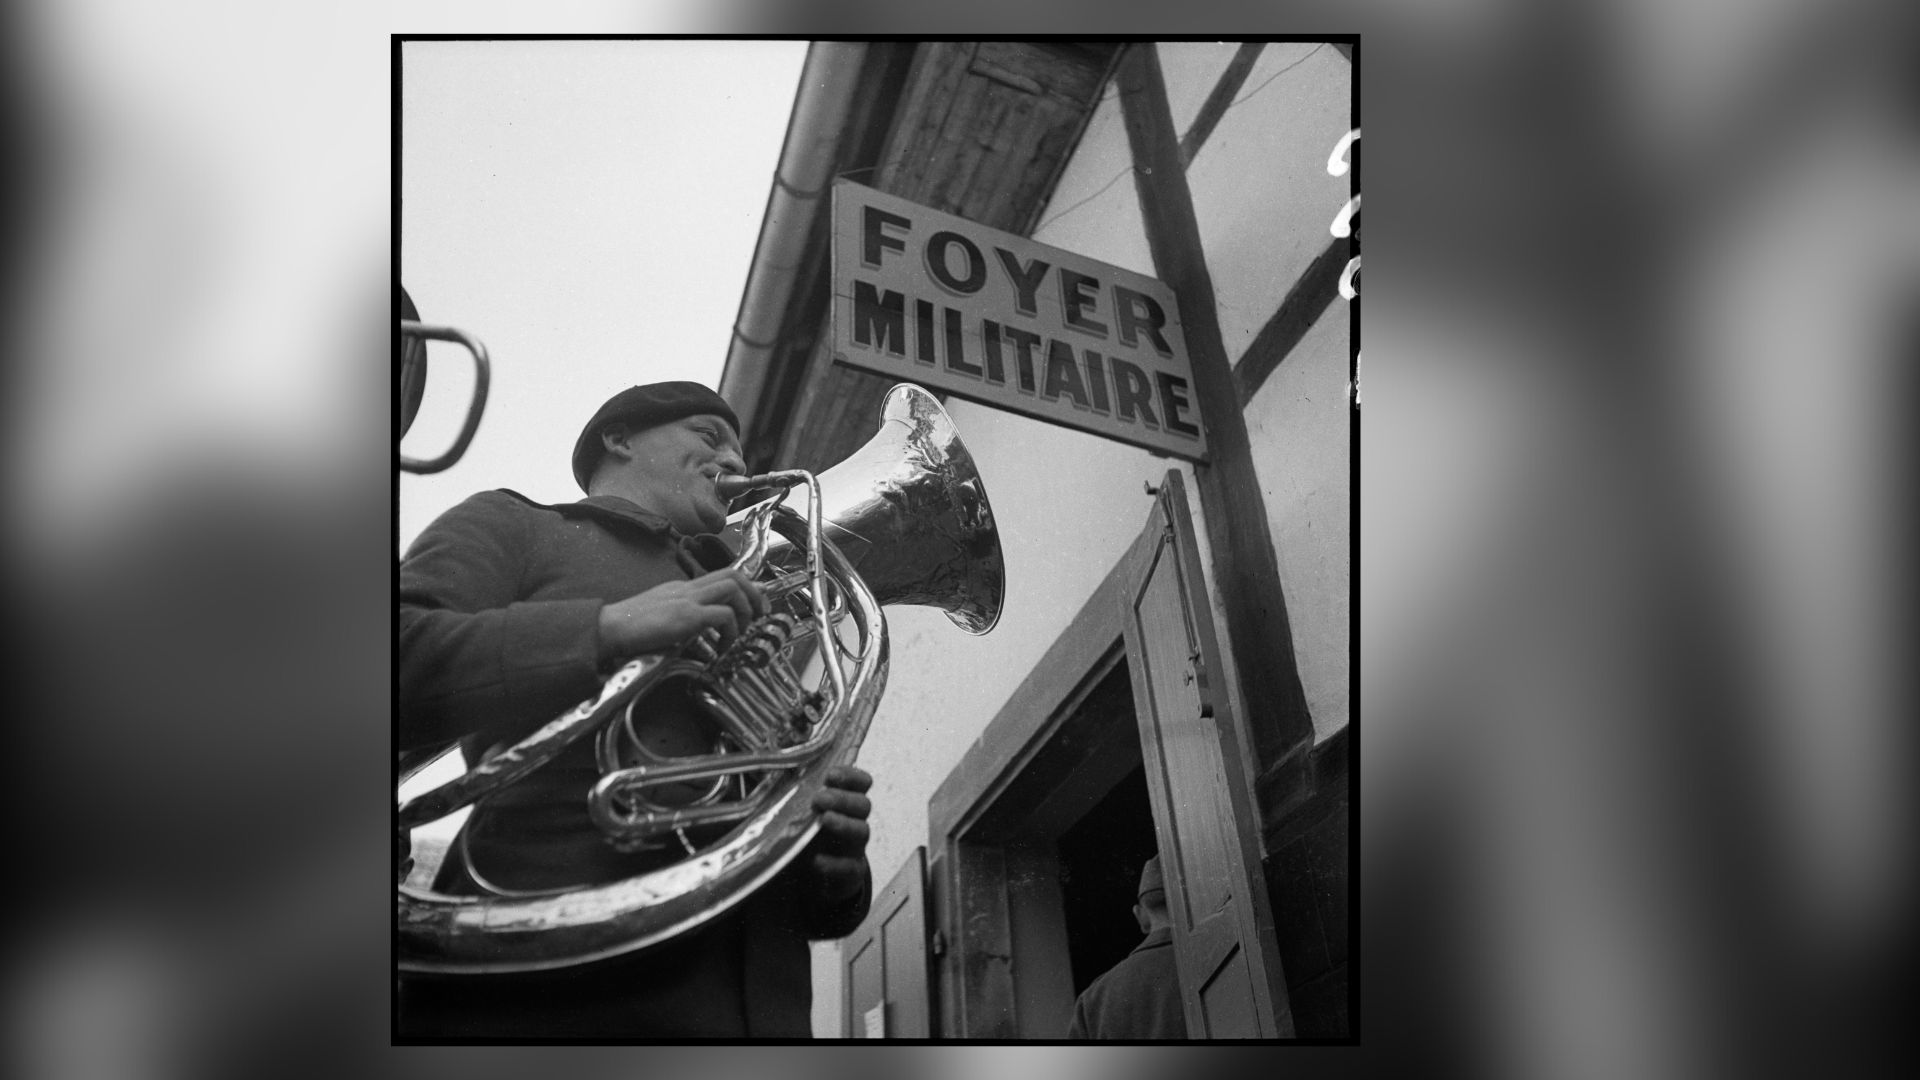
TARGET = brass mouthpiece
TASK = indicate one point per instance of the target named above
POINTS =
(732, 487)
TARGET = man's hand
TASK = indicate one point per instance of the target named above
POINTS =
(667, 616)
(840, 850)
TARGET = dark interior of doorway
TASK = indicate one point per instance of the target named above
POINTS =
(1100, 860)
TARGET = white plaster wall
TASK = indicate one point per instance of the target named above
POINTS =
(1069, 504)
(1095, 209)
(1190, 69)
(1260, 186)
(1264, 202)
(1299, 425)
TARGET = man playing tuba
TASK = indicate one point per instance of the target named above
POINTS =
(510, 613)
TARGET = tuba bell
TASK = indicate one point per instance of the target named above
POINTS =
(903, 520)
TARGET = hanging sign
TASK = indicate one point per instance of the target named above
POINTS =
(985, 315)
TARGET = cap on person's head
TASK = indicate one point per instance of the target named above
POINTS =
(643, 407)
(1151, 881)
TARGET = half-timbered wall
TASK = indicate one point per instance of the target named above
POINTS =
(1258, 123)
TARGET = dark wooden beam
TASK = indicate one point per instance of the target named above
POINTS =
(1244, 563)
(1231, 80)
(1305, 303)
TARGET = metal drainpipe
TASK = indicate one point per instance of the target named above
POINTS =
(800, 185)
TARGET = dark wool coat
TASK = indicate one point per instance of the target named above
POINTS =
(499, 633)
(1139, 998)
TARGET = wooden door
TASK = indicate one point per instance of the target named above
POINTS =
(883, 964)
(1203, 811)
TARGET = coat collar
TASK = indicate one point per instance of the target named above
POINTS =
(1160, 935)
(608, 509)
(706, 551)
(614, 509)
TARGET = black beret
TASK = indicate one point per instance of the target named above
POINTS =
(643, 407)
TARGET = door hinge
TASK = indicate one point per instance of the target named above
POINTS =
(939, 943)
(1197, 674)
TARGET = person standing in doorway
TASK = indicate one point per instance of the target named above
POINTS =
(1138, 998)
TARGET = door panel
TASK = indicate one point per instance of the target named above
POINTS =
(884, 962)
(1182, 739)
(1225, 1000)
(1207, 829)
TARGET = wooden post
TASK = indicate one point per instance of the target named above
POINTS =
(1247, 573)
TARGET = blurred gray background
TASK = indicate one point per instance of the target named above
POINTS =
(1635, 734)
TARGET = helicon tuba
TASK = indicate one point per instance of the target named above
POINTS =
(413, 339)
(904, 520)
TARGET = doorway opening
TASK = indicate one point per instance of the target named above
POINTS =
(1100, 859)
(1050, 858)
(1046, 803)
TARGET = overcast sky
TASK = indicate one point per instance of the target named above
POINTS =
(588, 209)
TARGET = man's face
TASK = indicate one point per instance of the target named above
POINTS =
(674, 467)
